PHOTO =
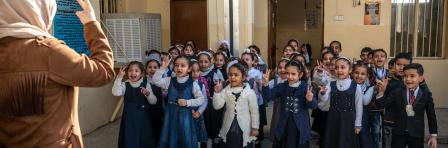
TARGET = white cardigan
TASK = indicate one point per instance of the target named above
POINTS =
(246, 107)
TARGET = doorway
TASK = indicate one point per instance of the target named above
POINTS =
(189, 22)
(295, 19)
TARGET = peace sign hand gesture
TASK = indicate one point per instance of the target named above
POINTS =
(266, 76)
(122, 72)
(309, 94)
(218, 86)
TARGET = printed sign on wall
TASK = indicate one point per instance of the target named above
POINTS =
(67, 26)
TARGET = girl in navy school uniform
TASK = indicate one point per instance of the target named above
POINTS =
(343, 101)
(279, 78)
(293, 127)
(197, 112)
(220, 59)
(135, 127)
(254, 77)
(156, 110)
(361, 76)
(212, 117)
(184, 95)
(241, 118)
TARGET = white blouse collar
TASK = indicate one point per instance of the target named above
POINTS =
(297, 84)
(182, 79)
(135, 84)
(208, 70)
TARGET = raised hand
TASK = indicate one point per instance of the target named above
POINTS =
(382, 86)
(87, 14)
(322, 90)
(266, 76)
(309, 94)
(122, 72)
(319, 67)
(218, 86)
(166, 61)
(182, 102)
(144, 91)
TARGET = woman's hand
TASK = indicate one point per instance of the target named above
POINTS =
(87, 14)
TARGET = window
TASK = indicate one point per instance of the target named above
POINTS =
(108, 6)
(417, 27)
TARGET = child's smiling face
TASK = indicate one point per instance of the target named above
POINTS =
(281, 70)
(342, 69)
(204, 62)
(379, 59)
(293, 74)
(360, 75)
(151, 68)
(188, 51)
(195, 71)
(236, 77)
(287, 51)
(219, 61)
(412, 79)
(181, 67)
(134, 73)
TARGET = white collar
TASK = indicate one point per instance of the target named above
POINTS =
(182, 79)
(297, 84)
(203, 73)
(135, 84)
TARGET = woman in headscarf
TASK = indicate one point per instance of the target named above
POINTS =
(40, 75)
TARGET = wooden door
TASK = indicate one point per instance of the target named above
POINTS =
(272, 38)
(189, 22)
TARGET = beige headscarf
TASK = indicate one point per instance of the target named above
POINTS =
(26, 18)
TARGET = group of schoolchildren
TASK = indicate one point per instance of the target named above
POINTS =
(190, 98)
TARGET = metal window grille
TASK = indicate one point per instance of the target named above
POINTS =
(131, 35)
(417, 27)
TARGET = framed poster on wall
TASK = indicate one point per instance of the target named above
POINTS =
(372, 13)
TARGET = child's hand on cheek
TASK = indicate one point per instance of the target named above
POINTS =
(182, 102)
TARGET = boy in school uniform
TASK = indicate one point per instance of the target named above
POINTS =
(408, 105)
